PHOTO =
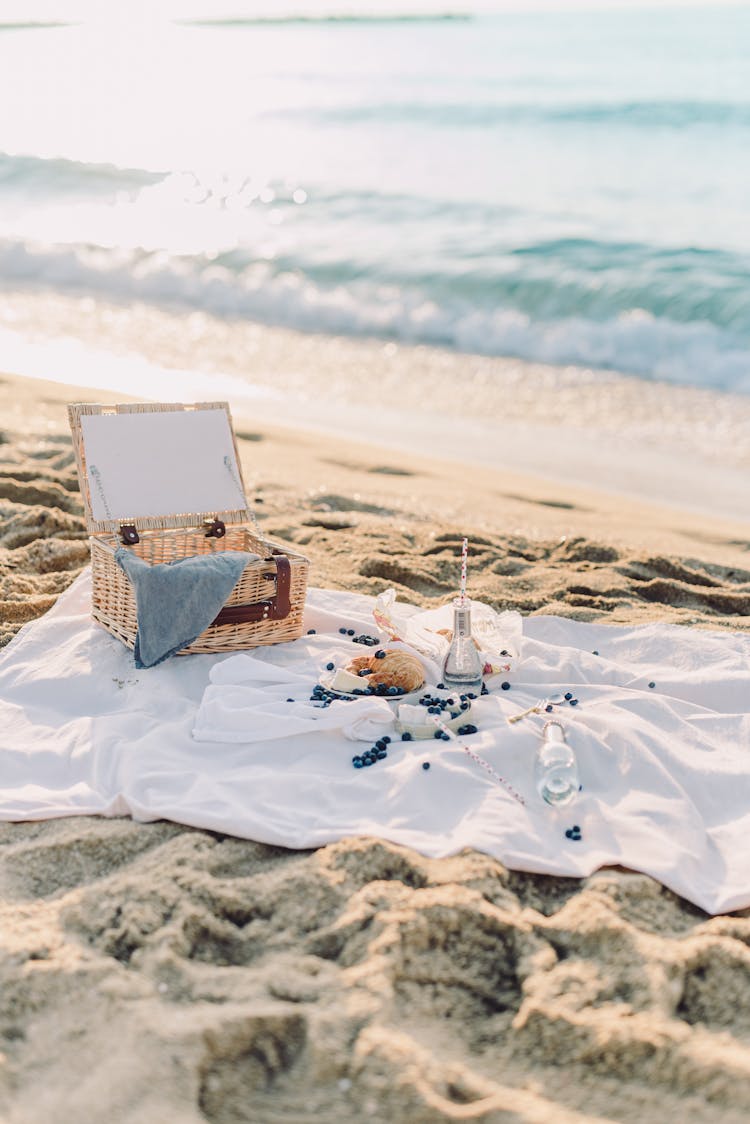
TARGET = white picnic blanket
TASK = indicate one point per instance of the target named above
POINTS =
(665, 769)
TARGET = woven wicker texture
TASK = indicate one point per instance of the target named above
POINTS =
(113, 599)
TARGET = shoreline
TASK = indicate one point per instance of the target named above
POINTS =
(685, 446)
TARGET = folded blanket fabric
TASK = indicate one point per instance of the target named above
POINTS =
(177, 601)
(251, 700)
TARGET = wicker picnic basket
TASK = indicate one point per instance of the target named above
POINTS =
(140, 455)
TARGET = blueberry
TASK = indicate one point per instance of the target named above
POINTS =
(464, 706)
(357, 759)
(575, 828)
(504, 686)
(393, 690)
(568, 834)
(425, 765)
(444, 736)
(652, 685)
(364, 671)
(380, 654)
(367, 761)
(385, 739)
(342, 631)
(438, 734)
(330, 666)
(484, 691)
(406, 736)
(471, 696)
(380, 744)
(350, 632)
(595, 653)
(574, 702)
(311, 632)
(290, 700)
(441, 686)
(568, 695)
(450, 702)
(357, 763)
(548, 709)
(382, 754)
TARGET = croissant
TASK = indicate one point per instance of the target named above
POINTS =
(395, 669)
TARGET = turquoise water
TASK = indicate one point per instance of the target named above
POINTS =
(563, 187)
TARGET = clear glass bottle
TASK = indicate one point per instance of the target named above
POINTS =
(462, 667)
(555, 768)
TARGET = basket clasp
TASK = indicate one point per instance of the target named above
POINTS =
(214, 528)
(129, 535)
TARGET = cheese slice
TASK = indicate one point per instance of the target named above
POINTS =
(343, 680)
(412, 715)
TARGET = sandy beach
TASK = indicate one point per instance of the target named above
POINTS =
(156, 972)
(468, 270)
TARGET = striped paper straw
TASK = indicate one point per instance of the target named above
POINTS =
(464, 557)
(478, 760)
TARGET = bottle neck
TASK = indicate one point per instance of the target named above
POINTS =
(461, 620)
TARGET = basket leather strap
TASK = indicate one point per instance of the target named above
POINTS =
(275, 608)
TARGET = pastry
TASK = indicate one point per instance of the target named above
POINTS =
(392, 669)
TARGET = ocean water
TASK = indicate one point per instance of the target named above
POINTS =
(569, 187)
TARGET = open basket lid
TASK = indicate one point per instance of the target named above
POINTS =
(157, 465)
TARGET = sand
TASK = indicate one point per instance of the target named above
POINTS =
(159, 973)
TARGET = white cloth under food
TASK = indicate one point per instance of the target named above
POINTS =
(252, 700)
(665, 768)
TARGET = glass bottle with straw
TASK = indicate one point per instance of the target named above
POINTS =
(462, 667)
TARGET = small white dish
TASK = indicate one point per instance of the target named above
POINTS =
(426, 729)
